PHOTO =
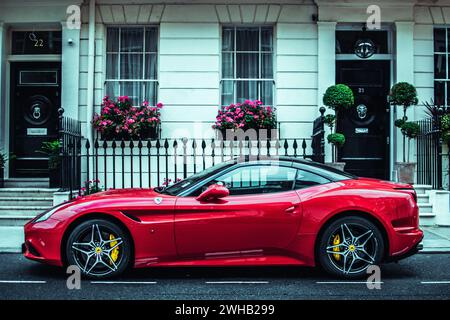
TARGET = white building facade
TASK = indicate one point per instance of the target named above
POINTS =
(194, 56)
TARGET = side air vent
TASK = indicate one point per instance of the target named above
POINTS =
(132, 217)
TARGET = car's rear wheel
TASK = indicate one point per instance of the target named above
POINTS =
(349, 245)
(100, 248)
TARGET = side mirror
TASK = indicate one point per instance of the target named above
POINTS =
(213, 192)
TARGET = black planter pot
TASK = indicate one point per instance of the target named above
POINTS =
(2, 184)
(54, 177)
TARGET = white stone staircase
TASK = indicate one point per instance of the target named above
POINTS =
(426, 215)
(433, 206)
(19, 205)
(20, 201)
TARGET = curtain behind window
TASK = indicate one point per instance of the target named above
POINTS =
(246, 57)
(131, 63)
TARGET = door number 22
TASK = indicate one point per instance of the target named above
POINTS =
(360, 90)
(37, 42)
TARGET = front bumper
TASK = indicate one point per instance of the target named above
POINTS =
(43, 242)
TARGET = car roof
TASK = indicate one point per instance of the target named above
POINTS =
(299, 163)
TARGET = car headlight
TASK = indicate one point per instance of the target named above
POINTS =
(47, 214)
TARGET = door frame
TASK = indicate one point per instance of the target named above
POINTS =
(18, 58)
(386, 57)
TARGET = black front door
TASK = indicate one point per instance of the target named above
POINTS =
(366, 125)
(35, 99)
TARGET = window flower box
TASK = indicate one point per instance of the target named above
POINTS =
(251, 118)
(120, 120)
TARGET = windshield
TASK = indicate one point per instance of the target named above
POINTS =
(178, 187)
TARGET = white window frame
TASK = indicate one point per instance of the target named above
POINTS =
(144, 53)
(259, 80)
(445, 54)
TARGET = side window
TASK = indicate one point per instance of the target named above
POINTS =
(258, 179)
(307, 179)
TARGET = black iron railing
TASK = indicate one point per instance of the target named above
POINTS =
(70, 152)
(148, 163)
(429, 154)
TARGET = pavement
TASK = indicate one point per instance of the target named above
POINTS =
(436, 239)
(423, 276)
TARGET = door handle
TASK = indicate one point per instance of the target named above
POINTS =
(291, 209)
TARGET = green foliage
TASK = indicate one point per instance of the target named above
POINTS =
(445, 127)
(410, 129)
(337, 139)
(399, 123)
(403, 94)
(330, 120)
(51, 149)
(4, 158)
(338, 97)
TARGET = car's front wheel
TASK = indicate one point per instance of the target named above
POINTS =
(100, 248)
(349, 245)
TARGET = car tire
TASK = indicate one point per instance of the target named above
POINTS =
(100, 248)
(343, 250)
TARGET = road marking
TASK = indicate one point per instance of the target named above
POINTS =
(349, 282)
(237, 282)
(435, 282)
(23, 281)
(124, 282)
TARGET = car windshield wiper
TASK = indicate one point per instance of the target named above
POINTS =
(162, 190)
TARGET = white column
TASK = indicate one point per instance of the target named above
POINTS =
(70, 63)
(326, 67)
(404, 70)
(2, 91)
(91, 69)
(404, 48)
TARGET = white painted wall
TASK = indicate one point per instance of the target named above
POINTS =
(190, 64)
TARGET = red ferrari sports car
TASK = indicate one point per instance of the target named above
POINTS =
(266, 212)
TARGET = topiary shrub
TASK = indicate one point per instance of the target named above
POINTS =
(403, 94)
(399, 123)
(337, 139)
(329, 120)
(338, 97)
(410, 129)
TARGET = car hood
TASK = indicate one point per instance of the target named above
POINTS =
(123, 193)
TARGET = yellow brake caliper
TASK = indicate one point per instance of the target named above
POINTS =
(114, 252)
(336, 241)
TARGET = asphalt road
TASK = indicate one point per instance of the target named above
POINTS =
(423, 276)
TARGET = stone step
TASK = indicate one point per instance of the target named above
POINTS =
(425, 207)
(423, 198)
(421, 188)
(21, 210)
(27, 192)
(26, 183)
(427, 219)
(14, 220)
(26, 201)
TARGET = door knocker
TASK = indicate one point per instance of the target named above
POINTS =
(36, 112)
(361, 109)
